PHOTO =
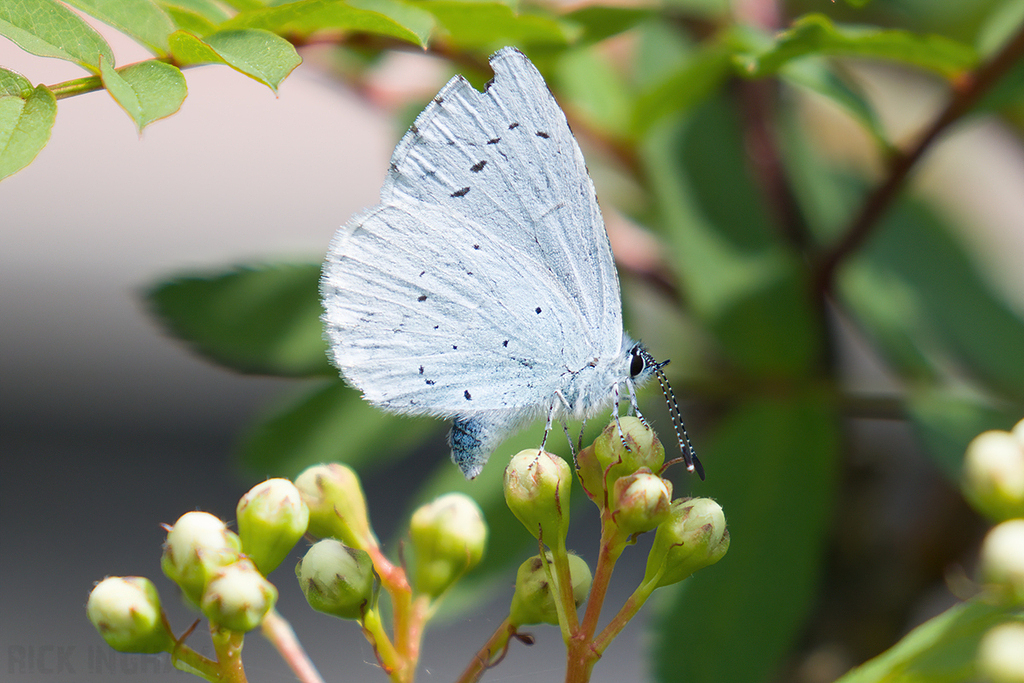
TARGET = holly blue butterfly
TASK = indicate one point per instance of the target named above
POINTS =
(482, 288)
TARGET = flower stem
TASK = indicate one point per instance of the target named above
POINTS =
(490, 654)
(387, 655)
(565, 593)
(582, 655)
(279, 632)
(628, 611)
(228, 646)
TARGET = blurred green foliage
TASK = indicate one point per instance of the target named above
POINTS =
(698, 108)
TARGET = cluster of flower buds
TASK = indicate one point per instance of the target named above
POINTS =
(447, 537)
(621, 474)
(219, 572)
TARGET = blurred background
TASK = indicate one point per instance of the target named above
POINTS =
(832, 439)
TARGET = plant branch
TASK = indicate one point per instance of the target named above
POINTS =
(966, 94)
(78, 86)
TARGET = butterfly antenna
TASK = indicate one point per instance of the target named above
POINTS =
(685, 447)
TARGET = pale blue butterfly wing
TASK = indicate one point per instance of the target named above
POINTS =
(482, 288)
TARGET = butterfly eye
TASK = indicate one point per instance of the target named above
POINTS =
(637, 363)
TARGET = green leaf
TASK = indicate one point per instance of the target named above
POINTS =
(140, 19)
(244, 5)
(948, 308)
(483, 24)
(945, 422)
(683, 89)
(600, 22)
(147, 91)
(49, 29)
(14, 84)
(190, 22)
(262, 320)
(25, 124)
(816, 34)
(887, 308)
(999, 26)
(394, 18)
(330, 423)
(815, 75)
(941, 650)
(771, 465)
(209, 10)
(257, 53)
(595, 89)
(750, 291)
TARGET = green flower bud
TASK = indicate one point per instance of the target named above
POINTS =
(448, 537)
(1002, 560)
(238, 597)
(534, 600)
(336, 579)
(694, 536)
(271, 520)
(126, 612)
(604, 462)
(640, 502)
(537, 486)
(993, 475)
(337, 506)
(1001, 654)
(197, 546)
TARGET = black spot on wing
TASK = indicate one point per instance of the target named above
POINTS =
(505, 343)
(478, 166)
(421, 297)
(513, 126)
(542, 134)
(461, 193)
(493, 141)
(538, 309)
(421, 369)
(466, 394)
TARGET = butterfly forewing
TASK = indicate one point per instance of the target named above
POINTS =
(485, 274)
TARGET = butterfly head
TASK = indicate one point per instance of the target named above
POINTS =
(641, 366)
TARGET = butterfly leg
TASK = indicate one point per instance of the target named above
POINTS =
(572, 449)
(559, 398)
(547, 425)
(618, 397)
(634, 407)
